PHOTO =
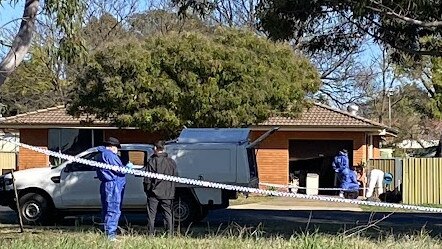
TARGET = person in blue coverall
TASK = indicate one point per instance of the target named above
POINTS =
(340, 162)
(346, 176)
(111, 187)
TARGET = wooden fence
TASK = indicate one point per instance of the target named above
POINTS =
(419, 179)
(422, 181)
(8, 161)
(387, 165)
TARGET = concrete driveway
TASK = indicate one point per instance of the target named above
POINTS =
(283, 203)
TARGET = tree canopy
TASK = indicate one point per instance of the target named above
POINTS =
(228, 78)
(408, 26)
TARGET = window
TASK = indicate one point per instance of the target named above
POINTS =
(138, 158)
(72, 141)
(75, 167)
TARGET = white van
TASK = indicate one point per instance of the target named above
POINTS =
(218, 155)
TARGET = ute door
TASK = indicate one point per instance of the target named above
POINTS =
(79, 187)
(134, 196)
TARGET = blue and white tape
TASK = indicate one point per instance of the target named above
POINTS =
(207, 184)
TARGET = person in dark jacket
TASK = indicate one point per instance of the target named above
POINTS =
(111, 187)
(160, 192)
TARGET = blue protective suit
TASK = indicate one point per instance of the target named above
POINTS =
(348, 180)
(340, 162)
(111, 191)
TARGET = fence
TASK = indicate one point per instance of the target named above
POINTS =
(421, 178)
(393, 166)
(8, 161)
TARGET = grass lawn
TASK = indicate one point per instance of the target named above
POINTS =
(251, 199)
(75, 238)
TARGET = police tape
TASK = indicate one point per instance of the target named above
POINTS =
(298, 187)
(207, 184)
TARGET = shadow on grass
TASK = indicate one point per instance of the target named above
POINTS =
(270, 223)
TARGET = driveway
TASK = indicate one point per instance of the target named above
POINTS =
(285, 203)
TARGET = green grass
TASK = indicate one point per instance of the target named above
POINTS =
(233, 238)
(251, 199)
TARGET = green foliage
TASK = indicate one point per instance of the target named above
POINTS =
(403, 24)
(228, 78)
(31, 87)
(436, 82)
(157, 22)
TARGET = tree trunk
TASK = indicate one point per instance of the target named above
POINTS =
(22, 41)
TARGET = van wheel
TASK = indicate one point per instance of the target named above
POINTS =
(34, 209)
(184, 210)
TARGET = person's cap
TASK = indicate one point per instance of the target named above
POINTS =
(388, 178)
(112, 141)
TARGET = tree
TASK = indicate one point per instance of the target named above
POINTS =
(403, 25)
(67, 17)
(31, 87)
(225, 79)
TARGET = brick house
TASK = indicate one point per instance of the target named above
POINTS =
(302, 145)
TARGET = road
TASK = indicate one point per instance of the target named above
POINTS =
(288, 221)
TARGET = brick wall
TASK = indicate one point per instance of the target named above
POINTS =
(30, 159)
(273, 155)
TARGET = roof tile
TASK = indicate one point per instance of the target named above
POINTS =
(318, 115)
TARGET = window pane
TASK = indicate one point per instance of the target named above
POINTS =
(98, 138)
(83, 167)
(74, 141)
(54, 145)
(137, 157)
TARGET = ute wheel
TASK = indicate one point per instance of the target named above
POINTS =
(184, 209)
(203, 214)
(34, 209)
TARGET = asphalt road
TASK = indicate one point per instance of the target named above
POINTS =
(287, 222)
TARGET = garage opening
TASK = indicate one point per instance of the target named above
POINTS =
(316, 156)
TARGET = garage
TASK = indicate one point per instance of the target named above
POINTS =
(316, 156)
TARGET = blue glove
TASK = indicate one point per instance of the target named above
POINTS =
(129, 165)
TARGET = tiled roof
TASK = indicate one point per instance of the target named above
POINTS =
(319, 115)
(50, 116)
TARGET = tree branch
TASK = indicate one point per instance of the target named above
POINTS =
(387, 11)
(22, 41)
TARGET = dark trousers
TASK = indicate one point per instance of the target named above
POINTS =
(166, 211)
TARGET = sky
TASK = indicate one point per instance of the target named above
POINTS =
(8, 12)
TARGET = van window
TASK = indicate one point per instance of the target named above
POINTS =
(253, 166)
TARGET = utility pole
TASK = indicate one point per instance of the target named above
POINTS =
(389, 105)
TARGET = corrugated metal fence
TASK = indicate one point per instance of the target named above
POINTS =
(8, 160)
(421, 178)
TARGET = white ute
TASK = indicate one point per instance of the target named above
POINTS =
(218, 155)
